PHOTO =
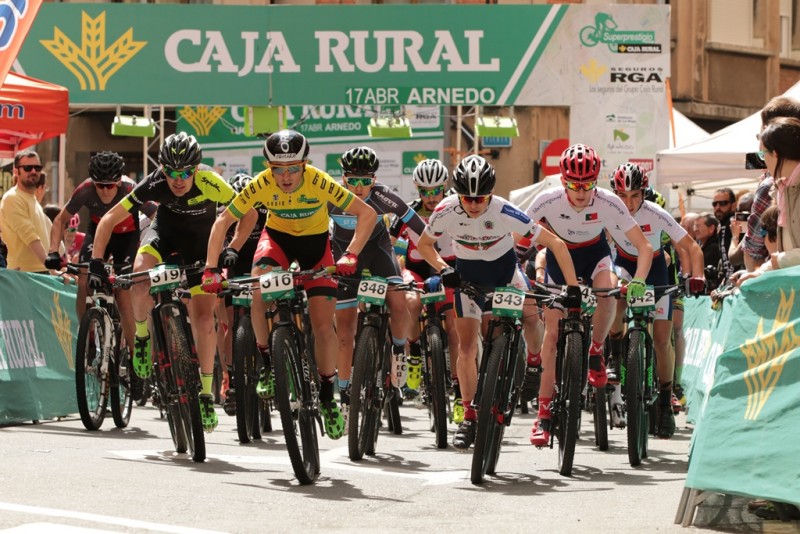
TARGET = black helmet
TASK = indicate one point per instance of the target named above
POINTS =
(180, 151)
(473, 176)
(285, 146)
(106, 167)
(239, 181)
(360, 161)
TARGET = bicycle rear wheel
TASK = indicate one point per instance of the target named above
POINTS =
(246, 366)
(365, 395)
(634, 398)
(121, 395)
(187, 381)
(492, 406)
(437, 384)
(294, 401)
(91, 382)
(601, 418)
(570, 402)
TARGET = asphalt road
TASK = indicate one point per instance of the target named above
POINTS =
(58, 477)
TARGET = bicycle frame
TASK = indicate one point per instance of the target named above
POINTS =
(512, 330)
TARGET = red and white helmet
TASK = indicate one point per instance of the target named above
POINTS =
(629, 177)
(580, 163)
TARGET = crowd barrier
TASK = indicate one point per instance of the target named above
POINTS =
(742, 379)
(38, 325)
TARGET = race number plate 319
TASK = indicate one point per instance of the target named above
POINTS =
(164, 278)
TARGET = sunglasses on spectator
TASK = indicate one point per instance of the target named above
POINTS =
(763, 231)
(182, 174)
(29, 168)
(355, 181)
(477, 199)
(72, 229)
(283, 169)
(722, 203)
(761, 154)
(106, 185)
(581, 186)
(431, 192)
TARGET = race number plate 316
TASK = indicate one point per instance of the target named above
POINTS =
(275, 285)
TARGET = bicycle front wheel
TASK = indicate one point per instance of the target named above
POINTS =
(246, 366)
(634, 398)
(601, 418)
(187, 380)
(91, 380)
(570, 400)
(437, 384)
(121, 396)
(365, 395)
(492, 406)
(295, 405)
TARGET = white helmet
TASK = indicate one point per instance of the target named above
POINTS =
(430, 173)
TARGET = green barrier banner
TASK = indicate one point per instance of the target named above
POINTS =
(37, 328)
(746, 440)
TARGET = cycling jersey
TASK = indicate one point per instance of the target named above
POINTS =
(385, 202)
(198, 205)
(303, 211)
(487, 237)
(444, 245)
(580, 228)
(653, 220)
(85, 195)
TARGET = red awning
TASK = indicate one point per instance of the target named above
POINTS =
(31, 111)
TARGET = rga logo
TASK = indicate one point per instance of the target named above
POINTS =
(605, 31)
(92, 62)
(636, 75)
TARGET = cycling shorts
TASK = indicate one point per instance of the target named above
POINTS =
(186, 243)
(497, 273)
(279, 249)
(589, 261)
(379, 262)
(122, 247)
(658, 276)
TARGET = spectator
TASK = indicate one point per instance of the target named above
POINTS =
(769, 227)
(705, 230)
(724, 204)
(73, 239)
(781, 152)
(687, 222)
(51, 210)
(22, 220)
(737, 228)
(41, 187)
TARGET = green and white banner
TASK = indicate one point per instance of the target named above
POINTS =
(355, 55)
(37, 329)
(745, 442)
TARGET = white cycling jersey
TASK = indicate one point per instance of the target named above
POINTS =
(580, 228)
(487, 237)
(652, 219)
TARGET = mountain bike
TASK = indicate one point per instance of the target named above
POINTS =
(436, 377)
(296, 375)
(500, 373)
(638, 378)
(102, 361)
(175, 366)
(371, 386)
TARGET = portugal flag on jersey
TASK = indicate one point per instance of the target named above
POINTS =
(591, 216)
(16, 18)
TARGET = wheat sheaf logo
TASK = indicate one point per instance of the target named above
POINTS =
(202, 118)
(63, 328)
(766, 355)
(593, 71)
(93, 63)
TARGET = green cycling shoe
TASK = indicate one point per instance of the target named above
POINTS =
(142, 361)
(332, 419)
(207, 413)
(266, 384)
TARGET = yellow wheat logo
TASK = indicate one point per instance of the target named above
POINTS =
(63, 329)
(593, 71)
(92, 63)
(419, 157)
(766, 355)
(202, 118)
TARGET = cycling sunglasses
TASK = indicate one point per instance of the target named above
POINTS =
(580, 186)
(355, 181)
(436, 191)
(29, 168)
(477, 199)
(722, 203)
(183, 174)
(283, 169)
(106, 185)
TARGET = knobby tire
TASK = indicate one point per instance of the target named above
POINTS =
(91, 385)
(121, 394)
(491, 404)
(570, 399)
(437, 369)
(634, 398)
(246, 366)
(365, 395)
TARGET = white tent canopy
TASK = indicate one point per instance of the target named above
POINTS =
(718, 158)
